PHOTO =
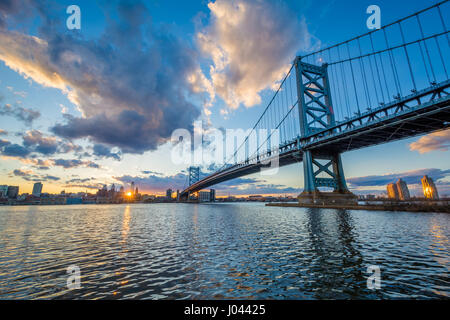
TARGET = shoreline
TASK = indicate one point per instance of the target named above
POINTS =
(407, 208)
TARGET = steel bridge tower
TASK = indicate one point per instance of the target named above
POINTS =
(322, 168)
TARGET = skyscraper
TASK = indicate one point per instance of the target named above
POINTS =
(169, 194)
(132, 188)
(13, 192)
(392, 191)
(402, 189)
(37, 189)
(429, 188)
(3, 191)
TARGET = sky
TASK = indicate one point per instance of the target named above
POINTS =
(94, 106)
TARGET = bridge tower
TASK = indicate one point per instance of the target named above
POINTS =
(194, 175)
(322, 168)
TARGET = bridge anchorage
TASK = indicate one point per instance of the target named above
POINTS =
(316, 113)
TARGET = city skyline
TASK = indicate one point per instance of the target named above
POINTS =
(54, 130)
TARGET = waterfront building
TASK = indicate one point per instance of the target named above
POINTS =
(37, 189)
(13, 192)
(132, 188)
(3, 191)
(429, 188)
(204, 196)
(392, 191)
(212, 195)
(402, 189)
(169, 194)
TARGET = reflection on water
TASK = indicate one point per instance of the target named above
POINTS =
(220, 251)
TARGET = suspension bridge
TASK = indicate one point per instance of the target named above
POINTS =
(388, 84)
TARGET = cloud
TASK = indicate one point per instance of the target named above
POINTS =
(20, 113)
(410, 177)
(3, 132)
(29, 175)
(131, 85)
(75, 163)
(238, 186)
(156, 183)
(41, 144)
(47, 145)
(15, 150)
(436, 141)
(251, 44)
(4, 143)
(103, 151)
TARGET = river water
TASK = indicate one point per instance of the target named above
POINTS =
(221, 251)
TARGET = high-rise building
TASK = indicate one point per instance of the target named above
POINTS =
(204, 196)
(402, 189)
(169, 194)
(13, 192)
(429, 188)
(3, 191)
(132, 187)
(392, 191)
(37, 189)
(212, 195)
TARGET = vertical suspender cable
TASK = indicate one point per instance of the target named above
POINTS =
(353, 78)
(407, 57)
(426, 48)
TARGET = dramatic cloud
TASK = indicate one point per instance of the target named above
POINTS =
(131, 85)
(432, 142)
(105, 152)
(20, 113)
(251, 44)
(47, 145)
(410, 177)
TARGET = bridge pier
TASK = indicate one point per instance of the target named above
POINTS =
(331, 167)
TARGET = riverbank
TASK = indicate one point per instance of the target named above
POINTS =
(390, 207)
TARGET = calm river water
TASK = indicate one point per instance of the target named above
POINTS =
(221, 251)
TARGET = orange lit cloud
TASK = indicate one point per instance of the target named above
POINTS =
(251, 45)
(432, 142)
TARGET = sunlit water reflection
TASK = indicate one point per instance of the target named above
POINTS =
(220, 251)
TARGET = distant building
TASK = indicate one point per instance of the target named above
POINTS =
(3, 191)
(37, 189)
(402, 189)
(132, 187)
(392, 191)
(169, 194)
(204, 196)
(429, 188)
(212, 196)
(13, 192)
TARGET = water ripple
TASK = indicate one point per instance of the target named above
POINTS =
(221, 251)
